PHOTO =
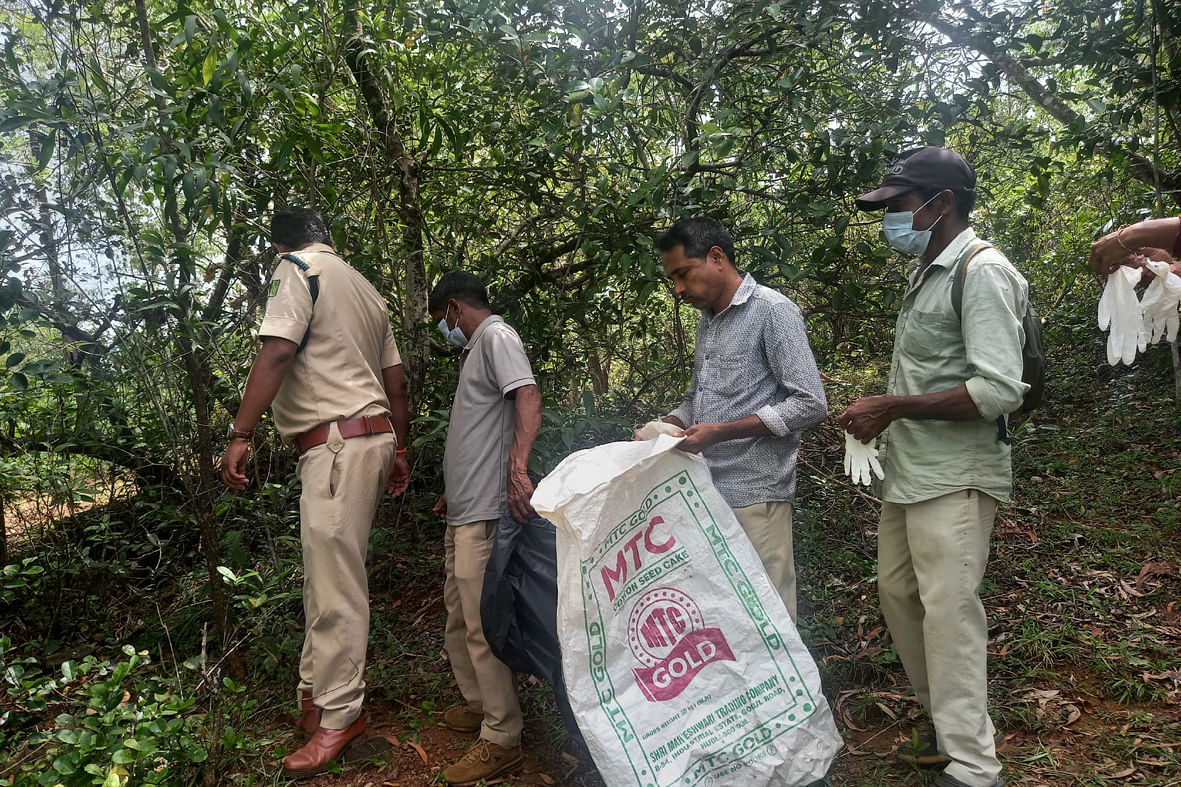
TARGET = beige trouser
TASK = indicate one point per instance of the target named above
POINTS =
(931, 559)
(768, 526)
(342, 483)
(486, 683)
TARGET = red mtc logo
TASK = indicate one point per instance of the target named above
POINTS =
(618, 575)
(667, 635)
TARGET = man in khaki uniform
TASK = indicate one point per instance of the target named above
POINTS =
(494, 421)
(329, 365)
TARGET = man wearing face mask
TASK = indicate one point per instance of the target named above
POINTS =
(946, 468)
(495, 418)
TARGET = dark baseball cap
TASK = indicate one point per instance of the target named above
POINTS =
(921, 169)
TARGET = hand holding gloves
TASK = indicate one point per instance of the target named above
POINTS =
(860, 459)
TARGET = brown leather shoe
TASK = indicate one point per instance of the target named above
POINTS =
(324, 747)
(309, 716)
(483, 761)
(461, 719)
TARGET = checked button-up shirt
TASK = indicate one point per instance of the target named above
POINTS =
(753, 357)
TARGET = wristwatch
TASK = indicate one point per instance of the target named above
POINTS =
(233, 432)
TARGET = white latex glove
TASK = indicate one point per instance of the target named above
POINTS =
(860, 458)
(1160, 302)
(1119, 309)
(653, 429)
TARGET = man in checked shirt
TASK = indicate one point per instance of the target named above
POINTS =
(755, 389)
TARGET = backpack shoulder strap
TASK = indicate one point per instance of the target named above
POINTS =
(313, 281)
(961, 275)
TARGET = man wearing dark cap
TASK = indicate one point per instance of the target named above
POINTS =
(955, 371)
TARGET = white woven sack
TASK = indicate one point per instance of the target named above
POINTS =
(681, 662)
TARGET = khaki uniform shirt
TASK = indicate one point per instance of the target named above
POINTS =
(337, 376)
(480, 435)
(934, 350)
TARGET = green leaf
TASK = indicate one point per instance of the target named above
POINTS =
(159, 80)
(48, 143)
(14, 360)
(13, 122)
(114, 779)
(209, 67)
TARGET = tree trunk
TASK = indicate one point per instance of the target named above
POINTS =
(196, 369)
(45, 213)
(415, 347)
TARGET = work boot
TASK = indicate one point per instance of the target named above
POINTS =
(324, 747)
(482, 761)
(461, 718)
(309, 716)
(921, 749)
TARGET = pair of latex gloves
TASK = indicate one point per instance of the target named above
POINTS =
(1136, 323)
(861, 459)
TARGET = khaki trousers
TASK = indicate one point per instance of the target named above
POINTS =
(342, 484)
(931, 559)
(488, 686)
(768, 526)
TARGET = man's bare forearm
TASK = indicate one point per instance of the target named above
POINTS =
(527, 407)
(954, 404)
(393, 378)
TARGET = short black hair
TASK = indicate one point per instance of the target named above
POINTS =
(297, 227)
(698, 236)
(965, 200)
(462, 286)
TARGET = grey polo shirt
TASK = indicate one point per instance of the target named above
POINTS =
(475, 464)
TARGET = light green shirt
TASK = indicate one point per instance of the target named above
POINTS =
(934, 350)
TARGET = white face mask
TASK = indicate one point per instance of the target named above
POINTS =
(898, 228)
(453, 335)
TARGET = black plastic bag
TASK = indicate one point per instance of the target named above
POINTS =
(519, 605)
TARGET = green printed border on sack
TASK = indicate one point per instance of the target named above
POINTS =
(733, 754)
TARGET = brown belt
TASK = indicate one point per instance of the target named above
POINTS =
(366, 424)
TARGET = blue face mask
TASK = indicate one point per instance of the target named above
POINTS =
(453, 335)
(898, 228)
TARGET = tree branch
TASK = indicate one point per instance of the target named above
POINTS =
(1141, 167)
